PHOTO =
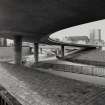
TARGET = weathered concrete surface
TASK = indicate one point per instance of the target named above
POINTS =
(62, 51)
(32, 87)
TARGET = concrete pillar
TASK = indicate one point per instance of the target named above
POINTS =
(62, 50)
(5, 42)
(18, 49)
(36, 52)
(41, 50)
(30, 50)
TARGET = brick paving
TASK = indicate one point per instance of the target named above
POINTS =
(33, 87)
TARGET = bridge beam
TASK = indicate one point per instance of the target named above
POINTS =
(36, 52)
(18, 49)
(62, 50)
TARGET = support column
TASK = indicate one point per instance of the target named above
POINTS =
(18, 49)
(5, 42)
(36, 52)
(30, 50)
(62, 50)
(41, 50)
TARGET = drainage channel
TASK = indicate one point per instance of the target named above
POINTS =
(6, 98)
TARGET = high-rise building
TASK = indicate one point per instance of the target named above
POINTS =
(95, 36)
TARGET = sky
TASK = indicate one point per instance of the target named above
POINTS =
(81, 30)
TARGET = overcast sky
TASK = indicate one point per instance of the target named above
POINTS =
(82, 30)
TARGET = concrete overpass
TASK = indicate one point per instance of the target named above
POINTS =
(31, 20)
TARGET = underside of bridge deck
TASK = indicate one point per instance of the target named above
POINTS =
(34, 19)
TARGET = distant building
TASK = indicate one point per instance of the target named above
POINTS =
(95, 37)
(77, 39)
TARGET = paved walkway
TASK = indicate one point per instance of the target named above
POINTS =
(33, 87)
